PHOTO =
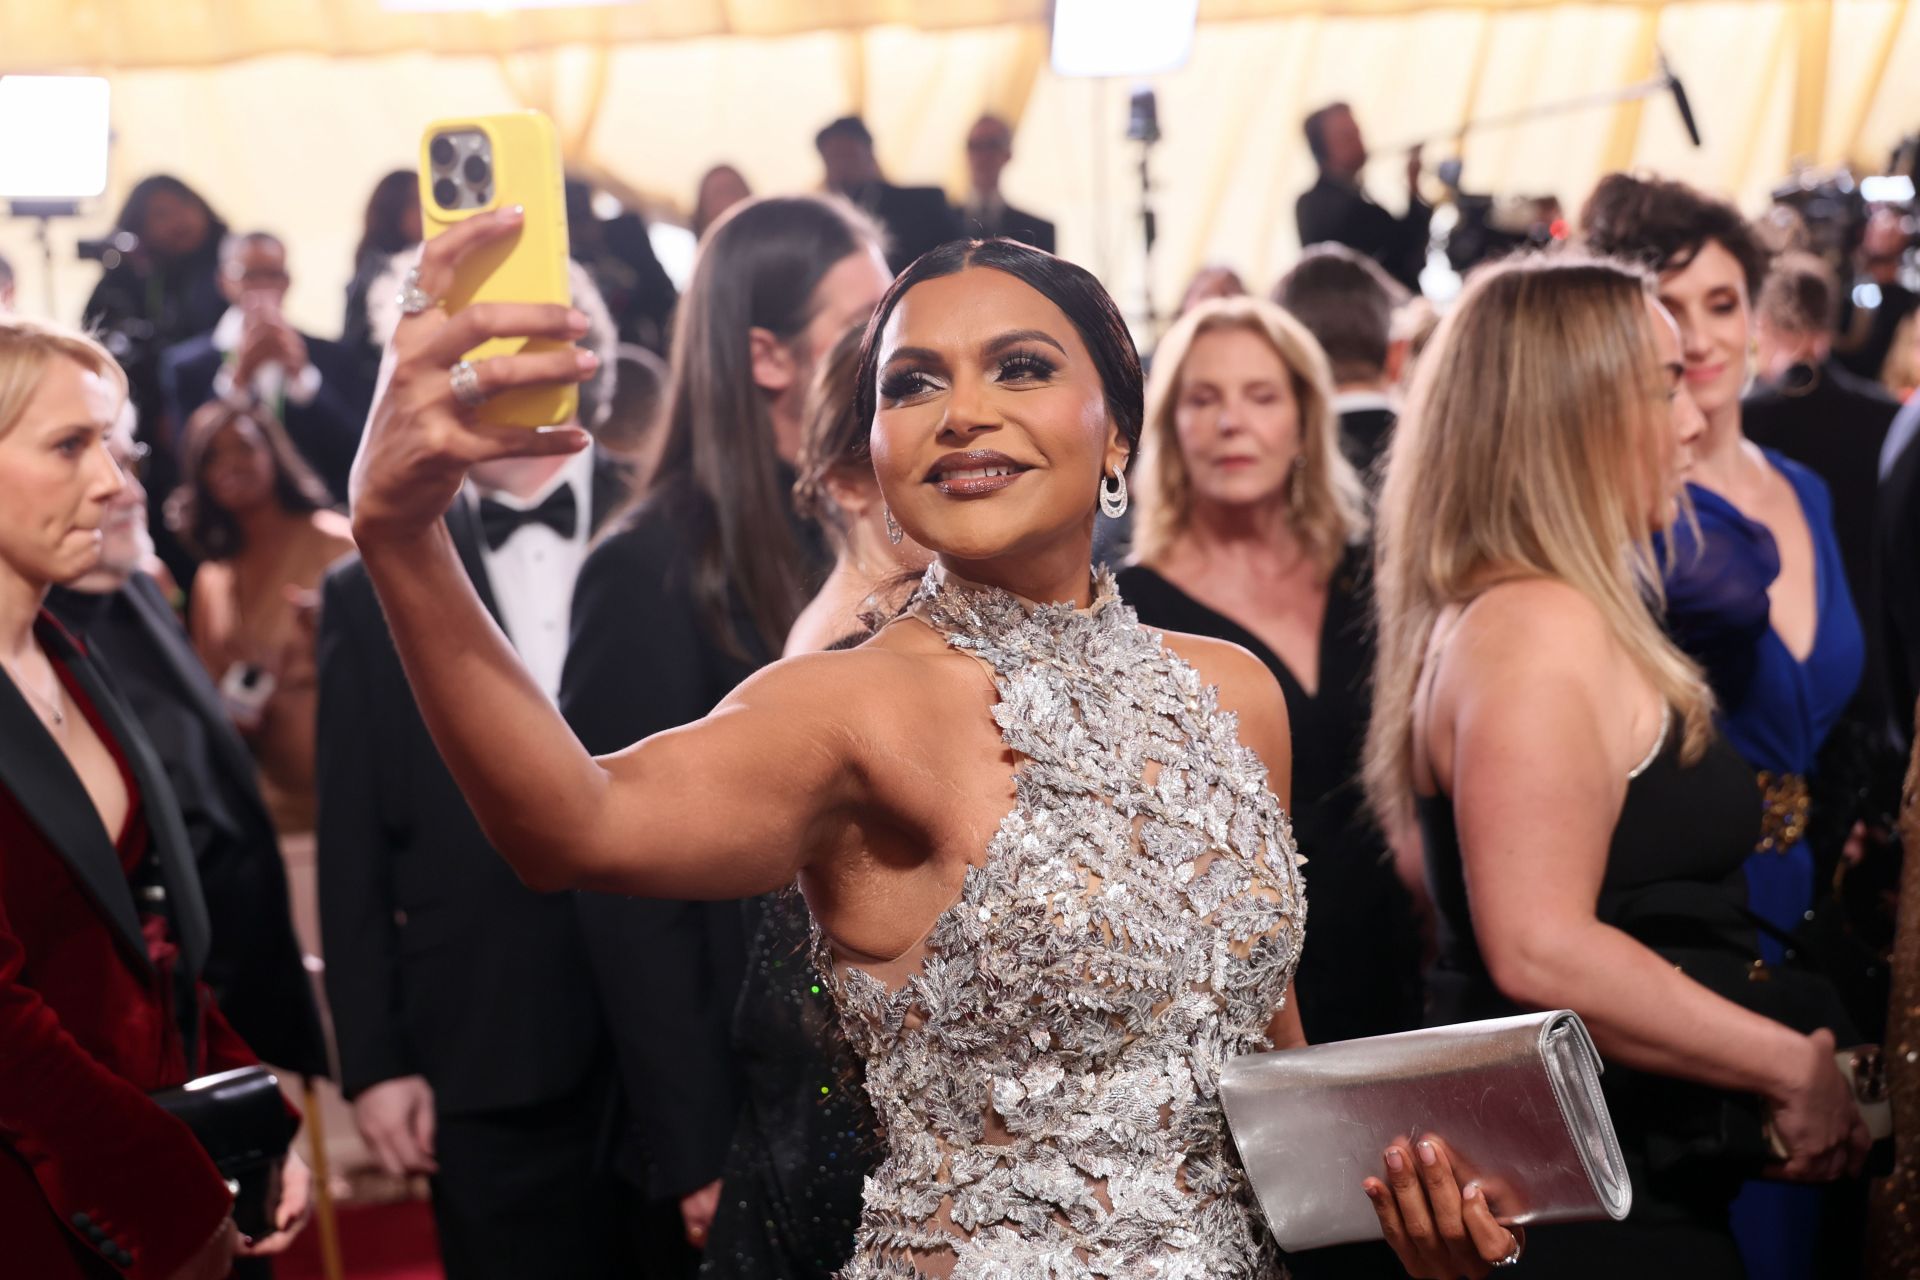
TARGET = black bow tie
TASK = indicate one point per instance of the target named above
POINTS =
(560, 513)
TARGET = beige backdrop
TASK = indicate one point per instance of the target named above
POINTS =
(284, 112)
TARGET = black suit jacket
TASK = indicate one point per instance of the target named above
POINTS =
(1895, 618)
(254, 964)
(1834, 428)
(1013, 224)
(1364, 436)
(641, 661)
(439, 961)
(326, 431)
(1330, 210)
(915, 219)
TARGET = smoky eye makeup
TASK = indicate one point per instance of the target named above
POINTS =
(905, 382)
(1026, 366)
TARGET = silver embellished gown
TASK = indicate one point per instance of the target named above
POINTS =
(1047, 1077)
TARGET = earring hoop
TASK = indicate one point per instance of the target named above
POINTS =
(895, 534)
(1113, 502)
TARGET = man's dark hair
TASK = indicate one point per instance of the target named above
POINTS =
(1663, 226)
(1315, 127)
(1073, 289)
(845, 127)
(1346, 301)
(1801, 294)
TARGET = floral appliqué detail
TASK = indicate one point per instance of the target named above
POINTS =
(1048, 1079)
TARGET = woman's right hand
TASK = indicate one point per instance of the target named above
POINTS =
(214, 1259)
(420, 439)
(1816, 1119)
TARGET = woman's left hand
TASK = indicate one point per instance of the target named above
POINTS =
(296, 1203)
(1439, 1229)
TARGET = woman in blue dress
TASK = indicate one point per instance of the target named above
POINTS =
(1755, 592)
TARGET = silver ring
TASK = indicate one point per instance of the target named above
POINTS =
(466, 384)
(414, 299)
(1513, 1257)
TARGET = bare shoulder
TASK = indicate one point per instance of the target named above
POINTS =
(1532, 629)
(1249, 691)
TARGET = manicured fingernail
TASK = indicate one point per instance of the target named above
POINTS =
(1394, 1161)
(1428, 1155)
(1472, 1191)
(514, 212)
(587, 361)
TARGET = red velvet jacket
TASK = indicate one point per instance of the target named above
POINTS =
(95, 1179)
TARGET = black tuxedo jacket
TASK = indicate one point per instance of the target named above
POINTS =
(439, 961)
(1895, 616)
(1330, 210)
(1835, 428)
(1364, 436)
(326, 431)
(254, 965)
(1012, 223)
(915, 219)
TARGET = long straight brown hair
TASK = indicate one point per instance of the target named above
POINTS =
(757, 269)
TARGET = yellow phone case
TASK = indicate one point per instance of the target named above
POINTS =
(529, 267)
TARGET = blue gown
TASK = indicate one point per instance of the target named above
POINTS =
(1776, 710)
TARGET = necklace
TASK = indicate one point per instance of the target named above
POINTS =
(55, 715)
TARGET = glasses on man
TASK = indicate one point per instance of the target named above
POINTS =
(133, 459)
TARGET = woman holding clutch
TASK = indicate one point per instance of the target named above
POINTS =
(1050, 882)
(101, 925)
(1585, 826)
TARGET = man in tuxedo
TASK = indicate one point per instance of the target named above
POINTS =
(1346, 302)
(1337, 208)
(121, 613)
(1812, 410)
(986, 212)
(916, 219)
(253, 355)
(1895, 619)
(471, 1043)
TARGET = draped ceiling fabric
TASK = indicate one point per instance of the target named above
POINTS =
(285, 112)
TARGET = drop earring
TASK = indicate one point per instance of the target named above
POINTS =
(894, 532)
(1113, 501)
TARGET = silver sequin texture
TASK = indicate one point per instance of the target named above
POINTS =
(1047, 1079)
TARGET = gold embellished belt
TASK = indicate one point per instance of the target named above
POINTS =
(1783, 810)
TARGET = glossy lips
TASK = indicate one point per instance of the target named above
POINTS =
(974, 473)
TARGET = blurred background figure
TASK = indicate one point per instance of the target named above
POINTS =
(6, 285)
(915, 219)
(1347, 302)
(162, 287)
(390, 226)
(691, 593)
(122, 613)
(1807, 407)
(721, 188)
(618, 255)
(471, 1042)
(1867, 331)
(1338, 208)
(255, 358)
(807, 1138)
(985, 212)
(1210, 282)
(633, 430)
(262, 526)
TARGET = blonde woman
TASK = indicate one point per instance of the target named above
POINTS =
(1251, 529)
(1584, 825)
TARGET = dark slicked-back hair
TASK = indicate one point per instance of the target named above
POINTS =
(845, 127)
(1073, 289)
(1663, 226)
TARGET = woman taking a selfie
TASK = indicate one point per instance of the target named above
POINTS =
(102, 930)
(1585, 825)
(945, 879)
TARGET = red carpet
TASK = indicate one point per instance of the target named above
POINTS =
(377, 1242)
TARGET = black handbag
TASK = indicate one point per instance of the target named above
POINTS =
(241, 1120)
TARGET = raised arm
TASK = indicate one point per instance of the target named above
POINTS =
(716, 809)
(1531, 697)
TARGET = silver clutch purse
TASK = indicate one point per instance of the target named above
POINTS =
(1517, 1100)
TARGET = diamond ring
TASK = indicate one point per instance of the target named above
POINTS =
(466, 384)
(414, 299)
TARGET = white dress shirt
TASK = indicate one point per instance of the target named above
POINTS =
(533, 572)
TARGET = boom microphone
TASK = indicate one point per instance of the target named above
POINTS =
(1680, 100)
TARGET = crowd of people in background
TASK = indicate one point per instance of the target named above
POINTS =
(1443, 529)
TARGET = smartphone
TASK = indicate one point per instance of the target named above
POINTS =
(473, 166)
